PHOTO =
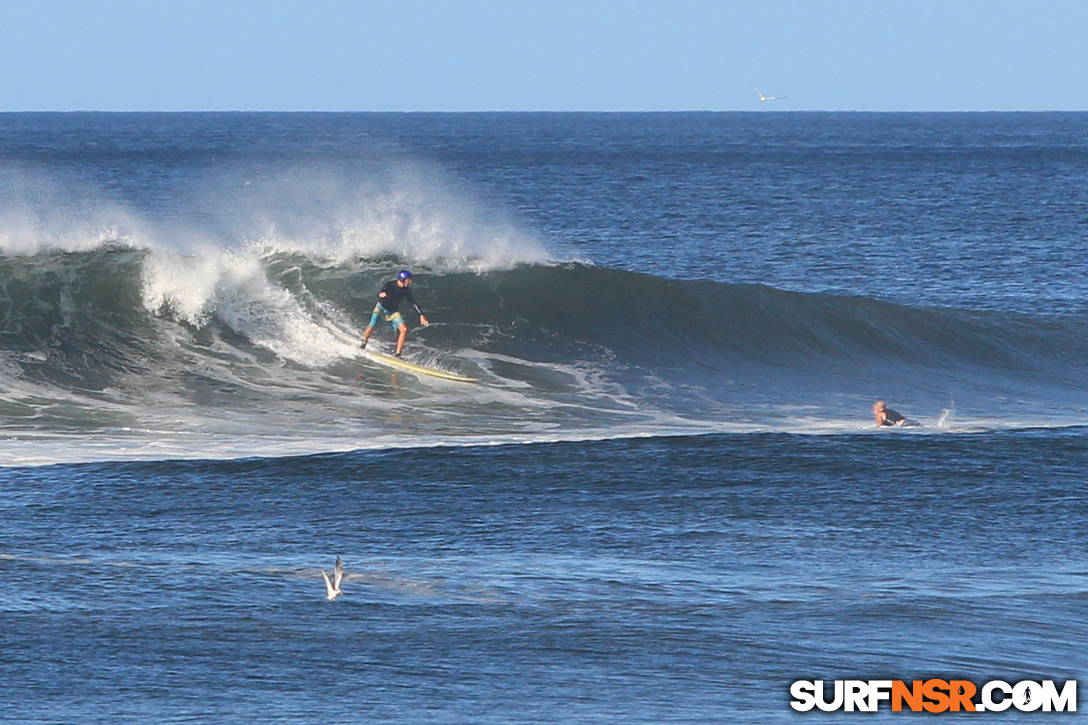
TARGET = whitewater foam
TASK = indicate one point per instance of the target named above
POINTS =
(405, 209)
(233, 287)
(418, 218)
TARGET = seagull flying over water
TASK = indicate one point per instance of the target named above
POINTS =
(768, 98)
(332, 588)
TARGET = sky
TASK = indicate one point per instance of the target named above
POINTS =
(543, 55)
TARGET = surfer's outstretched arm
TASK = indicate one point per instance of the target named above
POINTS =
(412, 300)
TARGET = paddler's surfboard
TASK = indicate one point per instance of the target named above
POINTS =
(396, 362)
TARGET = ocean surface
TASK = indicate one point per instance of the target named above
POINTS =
(665, 500)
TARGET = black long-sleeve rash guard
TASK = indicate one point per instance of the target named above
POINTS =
(392, 294)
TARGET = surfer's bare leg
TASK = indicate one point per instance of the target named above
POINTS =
(402, 333)
(370, 328)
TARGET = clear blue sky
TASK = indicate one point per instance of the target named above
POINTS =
(558, 55)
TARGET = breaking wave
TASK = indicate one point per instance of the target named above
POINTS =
(255, 350)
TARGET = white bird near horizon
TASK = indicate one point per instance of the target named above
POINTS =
(332, 588)
(767, 98)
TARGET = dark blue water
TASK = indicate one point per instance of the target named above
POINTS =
(665, 500)
(666, 580)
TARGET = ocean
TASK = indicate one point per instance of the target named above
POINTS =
(666, 499)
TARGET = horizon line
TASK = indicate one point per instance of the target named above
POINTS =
(538, 111)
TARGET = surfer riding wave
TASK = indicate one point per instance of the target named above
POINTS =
(387, 309)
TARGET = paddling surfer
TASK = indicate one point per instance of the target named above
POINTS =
(885, 416)
(387, 308)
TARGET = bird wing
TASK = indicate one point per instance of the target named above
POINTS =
(339, 572)
(329, 591)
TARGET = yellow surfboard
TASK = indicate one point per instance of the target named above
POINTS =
(395, 362)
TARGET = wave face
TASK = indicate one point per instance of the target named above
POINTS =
(254, 352)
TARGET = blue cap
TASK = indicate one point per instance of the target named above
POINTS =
(404, 274)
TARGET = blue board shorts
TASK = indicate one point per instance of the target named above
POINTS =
(395, 319)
